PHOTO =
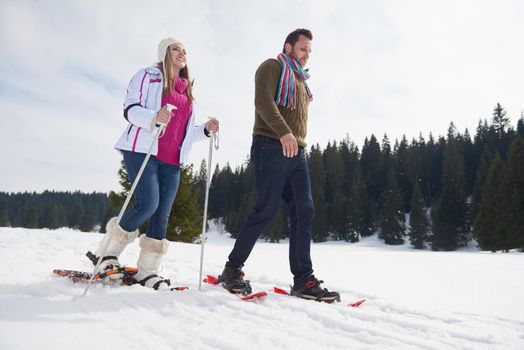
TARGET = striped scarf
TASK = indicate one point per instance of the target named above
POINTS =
(286, 93)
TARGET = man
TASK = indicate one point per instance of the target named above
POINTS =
(277, 152)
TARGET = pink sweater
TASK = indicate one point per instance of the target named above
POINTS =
(169, 144)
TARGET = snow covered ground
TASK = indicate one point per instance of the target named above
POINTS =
(415, 299)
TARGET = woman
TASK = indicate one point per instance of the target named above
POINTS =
(145, 106)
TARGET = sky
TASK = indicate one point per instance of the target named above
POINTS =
(397, 67)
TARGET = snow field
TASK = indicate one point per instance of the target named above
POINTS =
(415, 299)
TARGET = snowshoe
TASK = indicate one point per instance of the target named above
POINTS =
(310, 289)
(127, 275)
(232, 279)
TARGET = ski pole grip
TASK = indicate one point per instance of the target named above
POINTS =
(170, 108)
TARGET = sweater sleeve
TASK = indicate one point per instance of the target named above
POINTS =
(266, 83)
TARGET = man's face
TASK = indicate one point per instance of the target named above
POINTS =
(301, 50)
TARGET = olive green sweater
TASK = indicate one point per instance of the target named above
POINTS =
(276, 121)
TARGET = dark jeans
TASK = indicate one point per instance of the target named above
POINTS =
(277, 176)
(154, 194)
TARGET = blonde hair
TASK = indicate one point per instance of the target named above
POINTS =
(168, 77)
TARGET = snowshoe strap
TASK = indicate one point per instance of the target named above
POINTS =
(168, 282)
(111, 272)
(94, 258)
(156, 285)
(321, 295)
(110, 257)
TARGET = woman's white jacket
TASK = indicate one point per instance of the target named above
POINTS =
(143, 99)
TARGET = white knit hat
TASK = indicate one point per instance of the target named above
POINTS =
(163, 45)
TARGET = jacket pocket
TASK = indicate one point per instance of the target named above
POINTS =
(128, 131)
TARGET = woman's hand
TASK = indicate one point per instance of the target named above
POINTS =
(163, 116)
(212, 125)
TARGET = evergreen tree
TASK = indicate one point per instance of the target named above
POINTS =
(31, 218)
(515, 181)
(520, 125)
(110, 212)
(418, 220)
(350, 160)
(62, 216)
(371, 169)
(246, 200)
(481, 134)
(334, 197)
(482, 174)
(432, 159)
(234, 219)
(500, 121)
(500, 134)
(354, 220)
(221, 203)
(4, 218)
(403, 172)
(278, 228)
(359, 221)
(88, 221)
(467, 149)
(77, 215)
(49, 209)
(491, 227)
(391, 215)
(185, 221)
(116, 200)
(318, 183)
(51, 217)
(200, 182)
(449, 224)
(386, 161)
(419, 167)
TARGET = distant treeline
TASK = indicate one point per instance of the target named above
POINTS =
(50, 209)
(438, 193)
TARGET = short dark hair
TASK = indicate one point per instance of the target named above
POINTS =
(292, 37)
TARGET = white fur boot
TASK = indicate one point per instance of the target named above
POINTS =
(151, 253)
(116, 239)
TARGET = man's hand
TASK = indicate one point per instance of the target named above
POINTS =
(289, 145)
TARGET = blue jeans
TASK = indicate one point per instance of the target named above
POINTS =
(276, 177)
(154, 194)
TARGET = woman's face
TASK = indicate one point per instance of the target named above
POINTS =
(177, 54)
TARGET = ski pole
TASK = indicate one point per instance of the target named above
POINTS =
(213, 141)
(160, 128)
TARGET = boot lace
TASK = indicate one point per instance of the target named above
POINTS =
(314, 283)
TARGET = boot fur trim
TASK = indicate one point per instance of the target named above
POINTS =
(118, 233)
(154, 245)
